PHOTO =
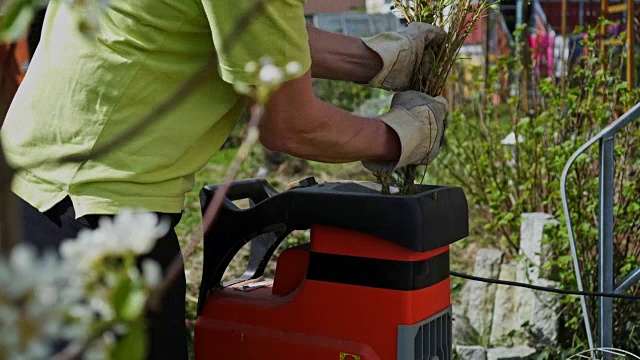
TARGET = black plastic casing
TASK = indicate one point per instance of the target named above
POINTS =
(434, 217)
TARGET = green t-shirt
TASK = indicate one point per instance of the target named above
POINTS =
(80, 92)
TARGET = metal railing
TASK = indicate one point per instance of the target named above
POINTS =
(606, 282)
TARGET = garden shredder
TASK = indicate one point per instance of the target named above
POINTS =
(372, 282)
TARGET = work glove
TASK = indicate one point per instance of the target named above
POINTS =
(418, 119)
(403, 52)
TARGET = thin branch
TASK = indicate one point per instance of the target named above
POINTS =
(176, 267)
(460, 19)
(75, 350)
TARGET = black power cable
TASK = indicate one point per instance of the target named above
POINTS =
(544, 288)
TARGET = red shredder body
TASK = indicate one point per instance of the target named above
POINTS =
(372, 283)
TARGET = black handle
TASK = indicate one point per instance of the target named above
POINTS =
(256, 190)
(222, 245)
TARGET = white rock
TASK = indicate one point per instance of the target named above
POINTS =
(471, 352)
(373, 107)
(510, 140)
(478, 296)
(516, 353)
(531, 231)
(462, 332)
(262, 171)
(537, 311)
(504, 308)
(546, 311)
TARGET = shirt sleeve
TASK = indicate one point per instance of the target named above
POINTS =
(276, 30)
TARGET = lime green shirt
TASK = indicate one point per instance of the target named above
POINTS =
(80, 92)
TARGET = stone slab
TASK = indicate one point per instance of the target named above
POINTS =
(531, 232)
(478, 296)
(504, 309)
(515, 353)
(471, 352)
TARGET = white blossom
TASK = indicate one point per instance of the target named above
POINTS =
(63, 297)
(251, 67)
(293, 68)
(242, 88)
(151, 272)
(36, 293)
(271, 74)
(126, 232)
(265, 60)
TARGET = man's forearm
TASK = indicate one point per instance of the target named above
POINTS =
(341, 57)
(338, 137)
(297, 123)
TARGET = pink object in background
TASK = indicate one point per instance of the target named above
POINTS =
(550, 45)
(533, 45)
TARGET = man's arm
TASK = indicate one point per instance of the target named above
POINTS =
(297, 123)
(341, 57)
(386, 60)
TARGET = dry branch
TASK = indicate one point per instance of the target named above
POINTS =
(457, 18)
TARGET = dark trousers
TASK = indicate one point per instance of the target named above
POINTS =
(166, 329)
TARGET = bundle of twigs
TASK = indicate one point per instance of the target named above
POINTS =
(457, 18)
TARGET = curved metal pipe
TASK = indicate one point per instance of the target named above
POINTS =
(574, 252)
(629, 280)
(610, 130)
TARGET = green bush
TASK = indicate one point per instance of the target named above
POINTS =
(553, 119)
(345, 95)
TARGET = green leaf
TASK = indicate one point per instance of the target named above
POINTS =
(120, 293)
(134, 306)
(127, 299)
(621, 86)
(133, 345)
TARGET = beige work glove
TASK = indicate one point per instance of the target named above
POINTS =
(418, 119)
(403, 52)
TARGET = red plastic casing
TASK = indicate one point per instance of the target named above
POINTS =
(306, 319)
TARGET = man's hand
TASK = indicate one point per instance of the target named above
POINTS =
(418, 120)
(402, 53)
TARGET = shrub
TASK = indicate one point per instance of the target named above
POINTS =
(345, 95)
(504, 181)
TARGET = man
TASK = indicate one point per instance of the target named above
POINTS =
(80, 93)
